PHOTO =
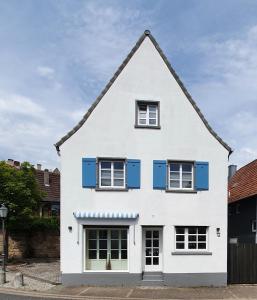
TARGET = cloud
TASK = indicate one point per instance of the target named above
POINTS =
(45, 71)
(226, 90)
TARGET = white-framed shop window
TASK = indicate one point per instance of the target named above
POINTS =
(191, 238)
(181, 175)
(112, 174)
(106, 249)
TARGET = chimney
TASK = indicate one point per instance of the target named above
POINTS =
(231, 171)
(39, 167)
(46, 177)
(10, 162)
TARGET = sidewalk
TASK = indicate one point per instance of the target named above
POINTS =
(140, 293)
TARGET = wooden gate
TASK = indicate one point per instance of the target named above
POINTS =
(242, 263)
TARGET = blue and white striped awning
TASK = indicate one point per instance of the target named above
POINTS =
(104, 215)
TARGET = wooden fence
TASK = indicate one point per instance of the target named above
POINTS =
(242, 263)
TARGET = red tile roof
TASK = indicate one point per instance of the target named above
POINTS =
(53, 190)
(244, 183)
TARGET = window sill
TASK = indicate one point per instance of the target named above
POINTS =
(182, 191)
(191, 253)
(111, 190)
(147, 127)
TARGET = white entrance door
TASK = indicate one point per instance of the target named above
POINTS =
(152, 255)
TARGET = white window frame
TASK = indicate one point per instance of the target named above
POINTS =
(186, 239)
(180, 175)
(253, 224)
(147, 118)
(112, 186)
(85, 250)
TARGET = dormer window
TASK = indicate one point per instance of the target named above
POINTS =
(147, 114)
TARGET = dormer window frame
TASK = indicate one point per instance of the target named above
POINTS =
(148, 104)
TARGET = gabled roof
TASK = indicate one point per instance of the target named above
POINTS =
(122, 66)
(52, 191)
(244, 183)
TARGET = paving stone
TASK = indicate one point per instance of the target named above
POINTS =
(244, 291)
(63, 290)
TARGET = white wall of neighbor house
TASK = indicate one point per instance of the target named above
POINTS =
(110, 132)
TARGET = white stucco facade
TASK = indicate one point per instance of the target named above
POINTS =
(110, 132)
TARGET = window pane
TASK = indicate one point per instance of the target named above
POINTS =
(202, 230)
(106, 173)
(148, 234)
(155, 243)
(155, 251)
(114, 254)
(142, 115)
(191, 245)
(118, 182)
(142, 107)
(124, 244)
(152, 121)
(152, 108)
(180, 246)
(156, 234)
(192, 238)
(187, 176)
(174, 167)
(201, 245)
(192, 230)
(180, 238)
(92, 254)
(102, 254)
(106, 182)
(118, 174)
(124, 234)
(186, 167)
(202, 238)
(102, 244)
(174, 184)
(124, 254)
(152, 115)
(148, 252)
(118, 165)
(148, 243)
(114, 234)
(105, 165)
(102, 234)
(186, 184)
(115, 244)
(148, 260)
(174, 175)
(156, 261)
(142, 121)
(92, 234)
(180, 230)
(92, 244)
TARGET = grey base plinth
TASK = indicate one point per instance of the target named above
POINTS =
(129, 279)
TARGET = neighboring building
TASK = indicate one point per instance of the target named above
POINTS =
(49, 183)
(242, 208)
(144, 183)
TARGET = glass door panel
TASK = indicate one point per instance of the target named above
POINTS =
(152, 249)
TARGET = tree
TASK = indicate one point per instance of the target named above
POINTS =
(20, 192)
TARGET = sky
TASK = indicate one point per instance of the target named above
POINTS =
(57, 56)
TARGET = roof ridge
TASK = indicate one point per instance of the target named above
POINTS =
(146, 33)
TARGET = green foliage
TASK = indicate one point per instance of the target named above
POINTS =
(35, 224)
(20, 192)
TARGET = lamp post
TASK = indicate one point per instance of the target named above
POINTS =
(3, 215)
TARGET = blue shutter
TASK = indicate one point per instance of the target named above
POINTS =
(159, 174)
(133, 173)
(201, 176)
(89, 172)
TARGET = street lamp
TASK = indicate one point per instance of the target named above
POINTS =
(3, 215)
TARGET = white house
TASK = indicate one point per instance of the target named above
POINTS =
(144, 183)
